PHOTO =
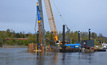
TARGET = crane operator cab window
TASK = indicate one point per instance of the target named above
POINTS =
(57, 42)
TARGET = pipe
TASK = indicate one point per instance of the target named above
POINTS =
(78, 36)
(63, 42)
(89, 33)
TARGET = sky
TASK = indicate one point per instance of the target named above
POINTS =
(78, 15)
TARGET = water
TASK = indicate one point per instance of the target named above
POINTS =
(20, 56)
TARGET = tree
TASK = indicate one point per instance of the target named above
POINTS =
(30, 38)
(11, 41)
(100, 35)
(94, 35)
(2, 37)
(75, 37)
(8, 33)
(100, 39)
(84, 35)
(60, 36)
(71, 36)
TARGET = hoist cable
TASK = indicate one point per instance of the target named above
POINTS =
(35, 22)
(60, 14)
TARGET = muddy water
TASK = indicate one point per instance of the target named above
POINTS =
(20, 56)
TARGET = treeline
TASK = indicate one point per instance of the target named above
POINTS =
(9, 37)
(98, 39)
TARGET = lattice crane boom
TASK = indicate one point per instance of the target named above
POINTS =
(51, 19)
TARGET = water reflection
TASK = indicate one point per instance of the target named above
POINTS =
(41, 57)
(88, 56)
(45, 56)
(79, 56)
(20, 56)
(40, 60)
(55, 58)
(63, 58)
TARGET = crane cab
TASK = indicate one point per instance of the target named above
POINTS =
(57, 42)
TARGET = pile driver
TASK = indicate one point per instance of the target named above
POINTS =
(50, 20)
(39, 25)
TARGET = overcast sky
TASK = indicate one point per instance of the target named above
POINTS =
(20, 15)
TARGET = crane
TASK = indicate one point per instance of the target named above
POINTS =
(39, 24)
(42, 23)
(51, 20)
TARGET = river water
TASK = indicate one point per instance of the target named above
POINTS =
(20, 56)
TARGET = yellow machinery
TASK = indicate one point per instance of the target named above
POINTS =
(51, 19)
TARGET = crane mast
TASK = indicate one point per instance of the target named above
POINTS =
(51, 19)
(42, 23)
(39, 24)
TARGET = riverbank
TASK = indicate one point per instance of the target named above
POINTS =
(14, 47)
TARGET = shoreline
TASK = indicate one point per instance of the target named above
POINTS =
(14, 47)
